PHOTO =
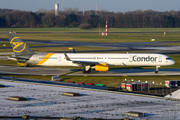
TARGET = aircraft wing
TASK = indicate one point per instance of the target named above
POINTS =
(83, 63)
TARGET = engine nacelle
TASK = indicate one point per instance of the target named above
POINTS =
(102, 67)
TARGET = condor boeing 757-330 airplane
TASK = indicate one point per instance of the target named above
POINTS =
(97, 61)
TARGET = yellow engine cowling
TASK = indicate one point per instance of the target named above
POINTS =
(102, 67)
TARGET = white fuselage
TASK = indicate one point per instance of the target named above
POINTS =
(120, 59)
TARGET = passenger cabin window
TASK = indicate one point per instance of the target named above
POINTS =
(168, 58)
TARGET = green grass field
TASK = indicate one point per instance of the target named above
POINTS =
(171, 44)
(108, 81)
(116, 81)
(95, 37)
(91, 30)
(59, 49)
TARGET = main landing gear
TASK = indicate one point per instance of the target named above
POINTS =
(156, 71)
(87, 69)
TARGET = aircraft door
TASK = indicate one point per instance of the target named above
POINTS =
(160, 58)
(34, 58)
(130, 58)
(59, 58)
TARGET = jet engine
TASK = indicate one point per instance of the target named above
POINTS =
(102, 67)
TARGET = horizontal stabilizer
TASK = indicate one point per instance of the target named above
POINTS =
(18, 58)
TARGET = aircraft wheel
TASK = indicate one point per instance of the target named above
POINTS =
(84, 71)
(89, 71)
(156, 71)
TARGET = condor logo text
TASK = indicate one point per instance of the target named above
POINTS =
(144, 59)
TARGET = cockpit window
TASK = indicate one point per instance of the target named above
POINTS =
(168, 58)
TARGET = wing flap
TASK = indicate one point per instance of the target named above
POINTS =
(84, 63)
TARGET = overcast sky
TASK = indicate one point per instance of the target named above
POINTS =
(110, 5)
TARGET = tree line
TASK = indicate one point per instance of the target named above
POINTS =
(73, 18)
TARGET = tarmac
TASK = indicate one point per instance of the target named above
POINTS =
(130, 72)
(78, 72)
(13, 70)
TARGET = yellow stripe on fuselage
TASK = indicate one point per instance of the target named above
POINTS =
(45, 58)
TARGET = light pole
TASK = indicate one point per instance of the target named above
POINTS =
(170, 90)
(157, 86)
(154, 85)
(161, 87)
(132, 84)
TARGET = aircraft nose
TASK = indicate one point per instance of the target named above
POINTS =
(173, 62)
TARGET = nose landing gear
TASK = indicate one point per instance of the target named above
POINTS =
(87, 69)
(157, 70)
